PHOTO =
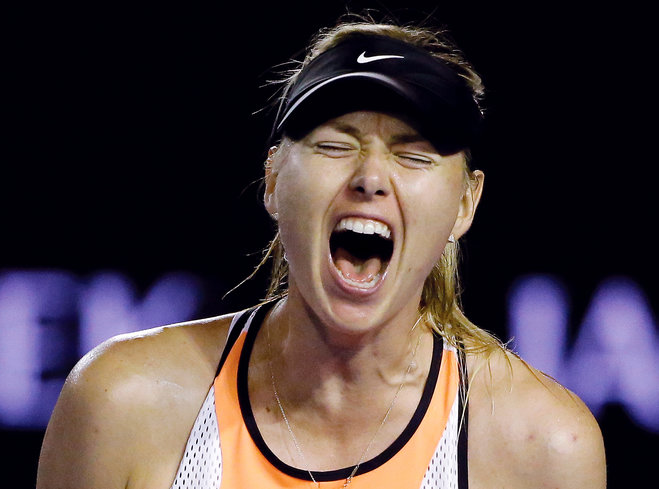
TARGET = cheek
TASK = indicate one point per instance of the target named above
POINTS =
(431, 213)
(299, 192)
(294, 206)
(303, 198)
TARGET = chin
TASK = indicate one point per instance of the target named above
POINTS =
(345, 321)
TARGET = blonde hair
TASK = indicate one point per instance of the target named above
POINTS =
(440, 302)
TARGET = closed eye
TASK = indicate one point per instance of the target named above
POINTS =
(334, 149)
(415, 159)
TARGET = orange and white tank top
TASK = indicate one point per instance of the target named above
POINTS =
(226, 450)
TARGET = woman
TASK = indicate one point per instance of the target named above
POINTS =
(360, 370)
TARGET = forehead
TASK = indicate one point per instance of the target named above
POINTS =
(364, 123)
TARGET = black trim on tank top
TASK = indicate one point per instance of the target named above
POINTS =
(338, 474)
(237, 328)
(463, 421)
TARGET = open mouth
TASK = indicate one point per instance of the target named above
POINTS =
(361, 250)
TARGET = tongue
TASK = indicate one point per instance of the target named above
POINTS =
(355, 269)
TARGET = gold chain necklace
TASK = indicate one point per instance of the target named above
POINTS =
(298, 448)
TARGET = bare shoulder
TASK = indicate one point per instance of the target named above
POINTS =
(108, 422)
(177, 353)
(527, 430)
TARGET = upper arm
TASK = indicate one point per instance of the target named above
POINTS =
(84, 443)
(574, 447)
(568, 452)
(529, 431)
(126, 409)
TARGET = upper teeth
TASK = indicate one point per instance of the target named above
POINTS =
(363, 226)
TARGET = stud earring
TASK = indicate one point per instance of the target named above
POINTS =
(275, 216)
(451, 238)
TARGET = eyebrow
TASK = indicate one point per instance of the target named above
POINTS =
(346, 128)
(411, 137)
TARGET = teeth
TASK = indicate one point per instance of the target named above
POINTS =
(363, 226)
(362, 285)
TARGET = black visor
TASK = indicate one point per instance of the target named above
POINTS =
(378, 73)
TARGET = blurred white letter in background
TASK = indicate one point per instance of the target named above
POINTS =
(615, 356)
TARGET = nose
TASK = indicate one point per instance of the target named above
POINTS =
(371, 178)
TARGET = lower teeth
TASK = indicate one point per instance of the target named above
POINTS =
(362, 285)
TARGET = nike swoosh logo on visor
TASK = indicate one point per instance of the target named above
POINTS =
(369, 59)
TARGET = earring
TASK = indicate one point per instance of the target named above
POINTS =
(451, 238)
(275, 215)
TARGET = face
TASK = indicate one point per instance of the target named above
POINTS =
(365, 208)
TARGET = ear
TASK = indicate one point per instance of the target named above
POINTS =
(270, 182)
(468, 203)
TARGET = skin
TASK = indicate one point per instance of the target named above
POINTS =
(355, 166)
(525, 431)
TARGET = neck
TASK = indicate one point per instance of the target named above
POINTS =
(345, 404)
(332, 377)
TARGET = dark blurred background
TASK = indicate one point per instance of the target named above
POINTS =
(134, 140)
